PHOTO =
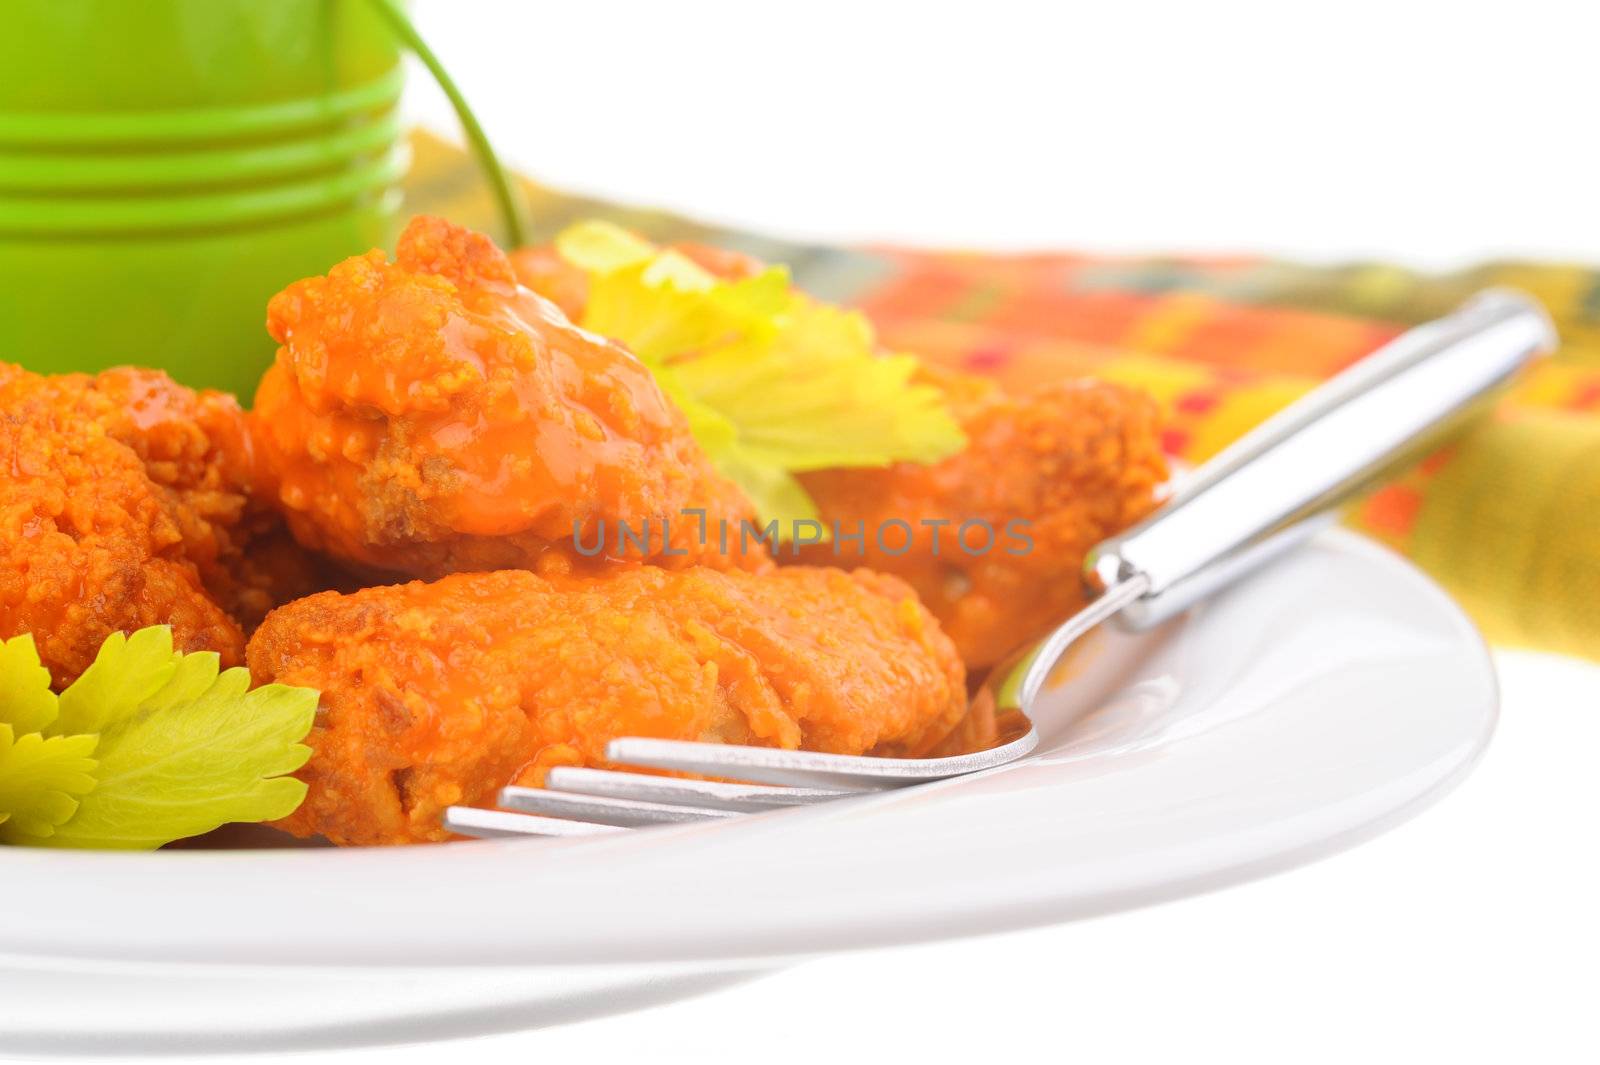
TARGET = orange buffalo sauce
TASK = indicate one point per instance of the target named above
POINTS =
(441, 693)
(429, 414)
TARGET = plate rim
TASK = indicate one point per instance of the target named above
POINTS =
(433, 950)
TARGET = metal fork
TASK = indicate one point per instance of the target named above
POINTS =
(1248, 505)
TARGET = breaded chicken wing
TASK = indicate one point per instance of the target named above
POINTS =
(127, 502)
(993, 539)
(1049, 474)
(429, 415)
(437, 694)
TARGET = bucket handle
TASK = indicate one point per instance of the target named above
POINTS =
(513, 215)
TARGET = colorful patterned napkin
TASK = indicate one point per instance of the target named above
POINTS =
(1507, 517)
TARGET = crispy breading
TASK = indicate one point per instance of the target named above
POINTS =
(127, 502)
(1071, 462)
(429, 415)
(1044, 477)
(437, 694)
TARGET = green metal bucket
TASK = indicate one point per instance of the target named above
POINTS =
(167, 165)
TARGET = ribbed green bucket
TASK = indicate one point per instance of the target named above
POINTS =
(167, 165)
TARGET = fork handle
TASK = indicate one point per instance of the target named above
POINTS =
(1261, 496)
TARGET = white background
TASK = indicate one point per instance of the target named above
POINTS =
(1432, 133)
(1436, 132)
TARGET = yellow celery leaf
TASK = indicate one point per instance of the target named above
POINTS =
(712, 430)
(654, 321)
(660, 317)
(758, 304)
(773, 490)
(817, 397)
(601, 247)
(42, 781)
(773, 383)
(26, 702)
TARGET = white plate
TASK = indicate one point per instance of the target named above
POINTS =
(1312, 707)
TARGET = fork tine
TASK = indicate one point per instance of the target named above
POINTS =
(773, 765)
(711, 794)
(498, 824)
(626, 813)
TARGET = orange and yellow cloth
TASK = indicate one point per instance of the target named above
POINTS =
(1507, 517)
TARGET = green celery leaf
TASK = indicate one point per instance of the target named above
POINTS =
(196, 672)
(26, 702)
(127, 671)
(41, 782)
(200, 752)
